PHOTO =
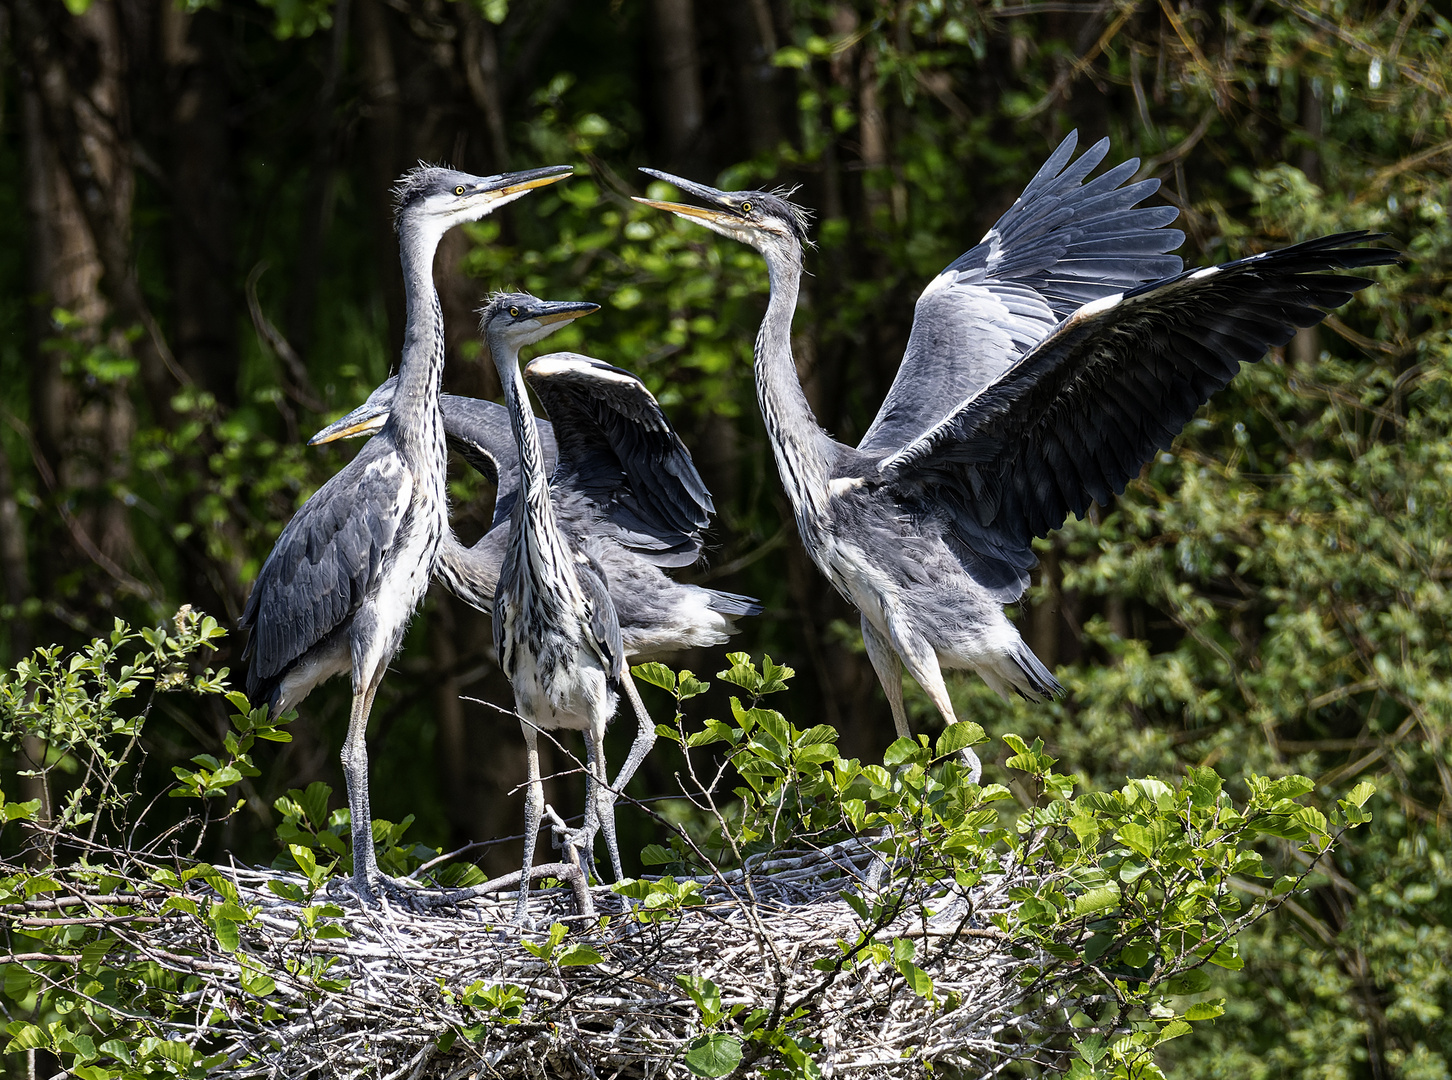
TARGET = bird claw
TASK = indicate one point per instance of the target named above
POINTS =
(576, 846)
(373, 889)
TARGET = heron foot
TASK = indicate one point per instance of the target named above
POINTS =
(371, 890)
(576, 846)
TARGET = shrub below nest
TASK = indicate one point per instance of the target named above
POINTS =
(830, 918)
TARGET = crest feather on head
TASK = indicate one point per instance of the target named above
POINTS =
(777, 201)
(496, 300)
(412, 185)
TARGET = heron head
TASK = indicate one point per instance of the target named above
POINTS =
(751, 217)
(366, 419)
(519, 319)
(447, 197)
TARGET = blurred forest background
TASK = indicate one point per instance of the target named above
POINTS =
(198, 270)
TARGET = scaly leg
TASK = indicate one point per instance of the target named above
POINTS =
(533, 813)
(922, 664)
(644, 735)
(599, 800)
(644, 740)
(889, 673)
(355, 775)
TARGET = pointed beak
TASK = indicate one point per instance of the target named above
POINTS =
(517, 183)
(566, 310)
(700, 191)
(350, 427)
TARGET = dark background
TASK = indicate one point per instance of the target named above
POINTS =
(198, 270)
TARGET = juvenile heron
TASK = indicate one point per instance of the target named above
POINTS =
(351, 566)
(555, 629)
(621, 481)
(1044, 367)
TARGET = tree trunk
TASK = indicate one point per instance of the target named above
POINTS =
(382, 111)
(679, 67)
(204, 200)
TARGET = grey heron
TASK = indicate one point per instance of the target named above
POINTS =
(622, 483)
(1043, 368)
(555, 629)
(344, 578)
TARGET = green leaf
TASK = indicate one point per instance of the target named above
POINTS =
(314, 802)
(226, 933)
(18, 981)
(742, 673)
(1134, 956)
(1173, 1030)
(688, 686)
(1227, 957)
(656, 855)
(714, 1055)
(579, 955)
(705, 994)
(1203, 785)
(25, 1036)
(1190, 982)
(902, 750)
(957, 736)
(1206, 1010)
(19, 811)
(1358, 795)
(95, 951)
(656, 674)
(819, 734)
(1101, 898)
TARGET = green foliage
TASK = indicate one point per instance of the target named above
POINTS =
(82, 716)
(75, 716)
(1135, 892)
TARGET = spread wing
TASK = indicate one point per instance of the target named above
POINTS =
(618, 450)
(326, 561)
(480, 432)
(1062, 244)
(1077, 417)
(604, 623)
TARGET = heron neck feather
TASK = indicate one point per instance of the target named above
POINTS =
(415, 418)
(803, 450)
(533, 523)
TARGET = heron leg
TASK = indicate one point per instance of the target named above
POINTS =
(355, 775)
(533, 813)
(921, 661)
(599, 802)
(644, 740)
(889, 673)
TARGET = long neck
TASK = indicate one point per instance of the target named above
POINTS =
(533, 528)
(803, 450)
(472, 573)
(415, 419)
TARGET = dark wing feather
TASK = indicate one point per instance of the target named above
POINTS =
(604, 623)
(325, 562)
(1062, 244)
(1076, 419)
(618, 450)
(480, 432)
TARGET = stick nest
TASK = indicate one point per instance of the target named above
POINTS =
(408, 993)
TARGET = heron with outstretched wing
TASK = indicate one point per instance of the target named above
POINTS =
(1044, 367)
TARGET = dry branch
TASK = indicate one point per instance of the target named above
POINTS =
(392, 998)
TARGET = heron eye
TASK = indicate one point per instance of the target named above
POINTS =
(514, 313)
(746, 208)
(459, 190)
